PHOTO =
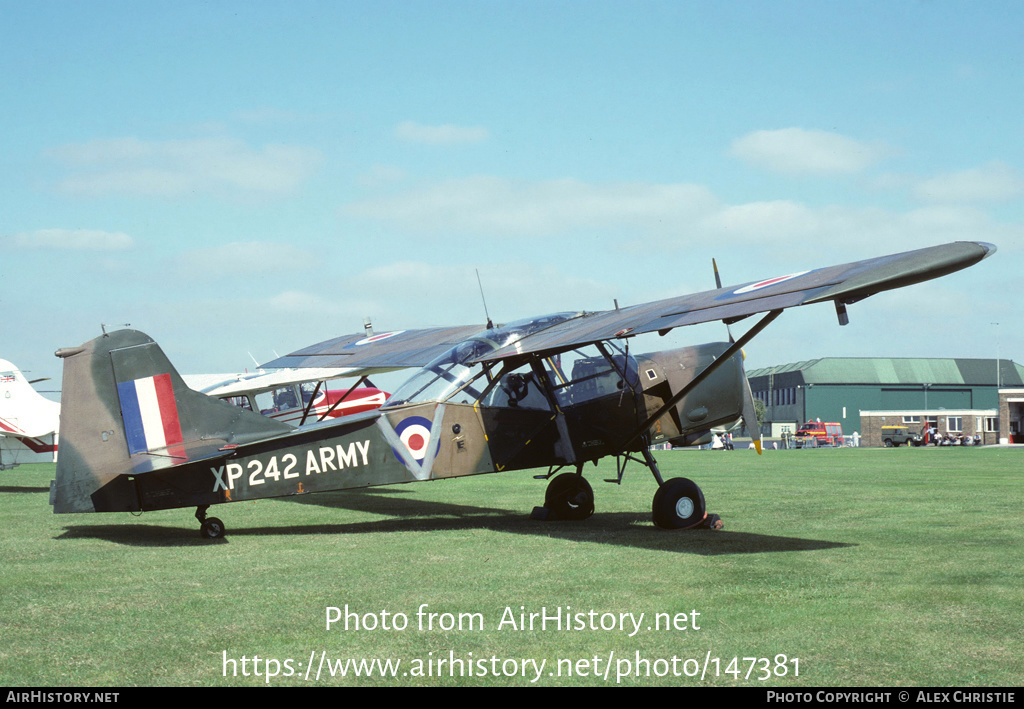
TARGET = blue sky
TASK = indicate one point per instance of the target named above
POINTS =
(239, 178)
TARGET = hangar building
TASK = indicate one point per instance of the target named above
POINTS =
(839, 388)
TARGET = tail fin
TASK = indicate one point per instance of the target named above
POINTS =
(126, 411)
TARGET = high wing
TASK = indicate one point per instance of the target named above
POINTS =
(375, 354)
(844, 284)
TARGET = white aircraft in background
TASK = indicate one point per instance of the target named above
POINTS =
(29, 422)
(292, 396)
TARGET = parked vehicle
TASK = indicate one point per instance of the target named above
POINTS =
(898, 435)
(816, 433)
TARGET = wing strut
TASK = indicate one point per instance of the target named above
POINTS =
(704, 374)
(309, 406)
(344, 396)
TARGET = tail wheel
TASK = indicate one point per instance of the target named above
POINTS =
(569, 496)
(678, 504)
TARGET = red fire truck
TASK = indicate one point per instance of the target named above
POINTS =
(824, 434)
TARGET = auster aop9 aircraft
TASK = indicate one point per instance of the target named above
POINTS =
(555, 391)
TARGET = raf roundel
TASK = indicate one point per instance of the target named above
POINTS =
(414, 432)
(375, 338)
(770, 282)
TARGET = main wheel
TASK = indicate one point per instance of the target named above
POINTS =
(678, 504)
(569, 496)
(212, 528)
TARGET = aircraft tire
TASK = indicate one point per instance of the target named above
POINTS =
(570, 497)
(212, 528)
(678, 504)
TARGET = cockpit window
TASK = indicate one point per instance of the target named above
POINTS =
(453, 375)
(580, 375)
(280, 399)
(446, 375)
(520, 388)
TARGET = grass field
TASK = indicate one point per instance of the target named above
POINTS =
(853, 567)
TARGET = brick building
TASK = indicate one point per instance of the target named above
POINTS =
(981, 422)
(1011, 411)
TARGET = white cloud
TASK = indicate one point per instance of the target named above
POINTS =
(993, 182)
(302, 302)
(765, 220)
(497, 206)
(175, 168)
(810, 234)
(242, 260)
(381, 175)
(644, 217)
(512, 289)
(796, 151)
(440, 135)
(72, 239)
(404, 294)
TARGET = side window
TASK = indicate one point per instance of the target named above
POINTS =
(518, 389)
(307, 389)
(241, 402)
(586, 374)
(277, 400)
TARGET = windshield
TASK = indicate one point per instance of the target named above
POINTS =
(455, 370)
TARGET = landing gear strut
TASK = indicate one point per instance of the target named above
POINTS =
(209, 527)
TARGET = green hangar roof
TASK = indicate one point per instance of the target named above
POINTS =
(880, 370)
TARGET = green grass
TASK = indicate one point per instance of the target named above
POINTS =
(873, 567)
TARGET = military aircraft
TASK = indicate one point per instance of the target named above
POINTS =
(555, 391)
(28, 421)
